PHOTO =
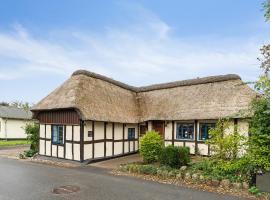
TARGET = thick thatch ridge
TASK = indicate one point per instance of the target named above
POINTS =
(97, 97)
(196, 81)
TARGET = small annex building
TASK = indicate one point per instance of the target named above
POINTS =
(91, 117)
(12, 122)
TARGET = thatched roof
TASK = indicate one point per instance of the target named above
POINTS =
(100, 98)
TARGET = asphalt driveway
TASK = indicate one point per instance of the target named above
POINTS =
(26, 181)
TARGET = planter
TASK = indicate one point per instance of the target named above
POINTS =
(263, 181)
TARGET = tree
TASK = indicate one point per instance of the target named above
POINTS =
(259, 144)
(20, 104)
(3, 103)
(266, 6)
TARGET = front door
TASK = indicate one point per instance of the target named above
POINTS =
(158, 126)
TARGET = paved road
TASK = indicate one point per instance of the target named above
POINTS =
(26, 181)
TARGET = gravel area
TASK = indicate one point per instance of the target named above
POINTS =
(13, 151)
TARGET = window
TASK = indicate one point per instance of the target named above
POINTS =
(90, 133)
(131, 133)
(57, 134)
(204, 130)
(185, 131)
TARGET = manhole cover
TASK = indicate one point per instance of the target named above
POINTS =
(67, 189)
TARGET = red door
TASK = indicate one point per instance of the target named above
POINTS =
(158, 126)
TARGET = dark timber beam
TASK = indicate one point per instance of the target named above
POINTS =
(173, 133)
(81, 140)
(93, 139)
(196, 136)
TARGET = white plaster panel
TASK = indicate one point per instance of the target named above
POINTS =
(108, 148)
(99, 130)
(203, 149)
(109, 131)
(168, 130)
(41, 147)
(54, 150)
(99, 150)
(87, 127)
(42, 130)
(118, 131)
(48, 148)
(178, 144)
(48, 131)
(126, 147)
(76, 130)
(191, 146)
(61, 151)
(69, 132)
(69, 151)
(77, 152)
(118, 149)
(87, 151)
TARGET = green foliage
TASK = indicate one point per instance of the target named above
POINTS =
(184, 153)
(147, 169)
(259, 148)
(32, 132)
(30, 153)
(255, 191)
(225, 146)
(236, 170)
(170, 156)
(174, 156)
(150, 146)
(266, 6)
(20, 104)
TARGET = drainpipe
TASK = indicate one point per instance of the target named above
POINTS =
(5, 128)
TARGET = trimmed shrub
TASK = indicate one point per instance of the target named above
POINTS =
(184, 153)
(150, 146)
(174, 156)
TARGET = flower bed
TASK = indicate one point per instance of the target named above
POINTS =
(184, 173)
(186, 176)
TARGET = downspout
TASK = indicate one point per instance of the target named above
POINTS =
(5, 128)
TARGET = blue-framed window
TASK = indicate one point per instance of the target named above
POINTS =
(204, 130)
(57, 134)
(131, 133)
(185, 131)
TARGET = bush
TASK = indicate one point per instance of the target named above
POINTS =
(30, 153)
(150, 146)
(32, 132)
(174, 156)
(147, 169)
(184, 153)
(225, 146)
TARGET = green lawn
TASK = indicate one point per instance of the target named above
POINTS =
(13, 142)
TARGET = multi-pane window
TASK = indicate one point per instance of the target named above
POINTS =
(185, 131)
(204, 130)
(57, 134)
(131, 133)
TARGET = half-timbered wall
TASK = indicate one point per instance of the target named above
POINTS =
(71, 142)
(106, 140)
(196, 145)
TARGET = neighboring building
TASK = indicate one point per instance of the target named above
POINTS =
(93, 117)
(12, 122)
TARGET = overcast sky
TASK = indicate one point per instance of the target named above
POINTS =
(137, 42)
